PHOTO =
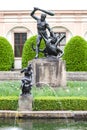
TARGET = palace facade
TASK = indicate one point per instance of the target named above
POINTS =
(18, 26)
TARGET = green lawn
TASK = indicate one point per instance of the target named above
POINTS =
(10, 88)
(74, 88)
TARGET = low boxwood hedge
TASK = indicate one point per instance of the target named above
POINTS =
(60, 103)
(47, 103)
(8, 103)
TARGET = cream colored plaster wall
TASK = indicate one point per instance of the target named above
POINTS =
(73, 22)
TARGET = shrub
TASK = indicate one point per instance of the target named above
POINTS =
(6, 55)
(60, 103)
(28, 53)
(8, 103)
(75, 54)
(47, 103)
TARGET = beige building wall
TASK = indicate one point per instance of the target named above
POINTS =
(73, 22)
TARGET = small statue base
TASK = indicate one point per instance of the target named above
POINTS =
(25, 102)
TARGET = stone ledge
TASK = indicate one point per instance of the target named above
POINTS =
(10, 75)
(77, 76)
(16, 75)
(44, 114)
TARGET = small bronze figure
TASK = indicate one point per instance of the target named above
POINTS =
(27, 80)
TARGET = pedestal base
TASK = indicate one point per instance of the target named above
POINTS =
(49, 71)
(25, 102)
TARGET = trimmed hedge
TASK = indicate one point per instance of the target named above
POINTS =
(75, 54)
(60, 103)
(6, 55)
(47, 103)
(8, 103)
(28, 53)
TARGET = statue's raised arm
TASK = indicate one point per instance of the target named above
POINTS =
(33, 12)
(45, 11)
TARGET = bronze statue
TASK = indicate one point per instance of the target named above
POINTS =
(27, 80)
(52, 49)
(42, 25)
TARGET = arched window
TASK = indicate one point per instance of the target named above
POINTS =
(62, 31)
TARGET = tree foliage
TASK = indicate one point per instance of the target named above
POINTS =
(75, 54)
(28, 53)
(6, 55)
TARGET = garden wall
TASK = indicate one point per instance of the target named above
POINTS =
(16, 75)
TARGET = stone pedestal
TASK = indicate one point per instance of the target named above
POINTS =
(49, 71)
(25, 102)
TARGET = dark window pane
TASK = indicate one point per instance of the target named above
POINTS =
(63, 42)
(17, 51)
(19, 40)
